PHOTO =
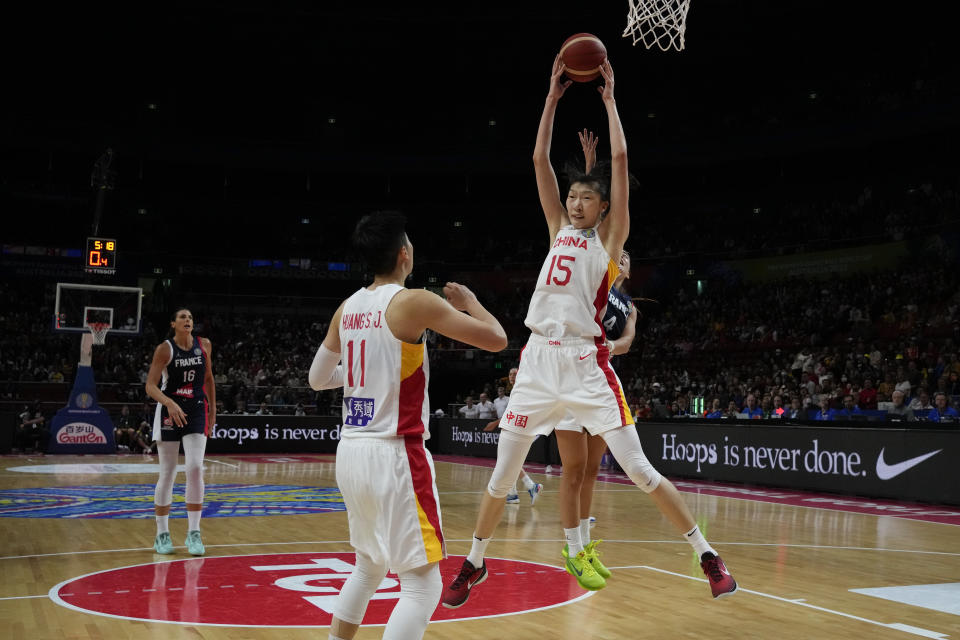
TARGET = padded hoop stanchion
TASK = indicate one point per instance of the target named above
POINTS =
(86, 349)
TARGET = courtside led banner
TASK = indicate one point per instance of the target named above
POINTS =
(273, 434)
(912, 464)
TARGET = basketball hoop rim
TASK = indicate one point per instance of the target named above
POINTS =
(99, 331)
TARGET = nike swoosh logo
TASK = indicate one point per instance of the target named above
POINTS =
(585, 357)
(579, 573)
(886, 471)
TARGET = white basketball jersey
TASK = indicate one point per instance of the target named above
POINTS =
(384, 379)
(571, 292)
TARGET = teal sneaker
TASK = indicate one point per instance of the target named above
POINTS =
(195, 543)
(163, 544)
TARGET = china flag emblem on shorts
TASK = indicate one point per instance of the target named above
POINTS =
(516, 419)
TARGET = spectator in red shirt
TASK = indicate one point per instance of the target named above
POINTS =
(644, 412)
(868, 395)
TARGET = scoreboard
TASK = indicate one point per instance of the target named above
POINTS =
(100, 256)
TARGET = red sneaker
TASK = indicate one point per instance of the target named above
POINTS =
(721, 582)
(457, 593)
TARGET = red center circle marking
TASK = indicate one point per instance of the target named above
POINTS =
(293, 590)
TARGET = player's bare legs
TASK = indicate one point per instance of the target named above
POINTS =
(573, 455)
(512, 450)
(596, 447)
(672, 505)
(581, 456)
(625, 446)
(491, 512)
(343, 630)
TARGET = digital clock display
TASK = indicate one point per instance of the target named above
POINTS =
(101, 255)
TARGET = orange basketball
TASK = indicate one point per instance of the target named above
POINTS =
(583, 53)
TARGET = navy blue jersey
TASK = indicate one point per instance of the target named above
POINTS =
(618, 310)
(185, 373)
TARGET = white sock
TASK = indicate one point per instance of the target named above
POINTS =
(477, 550)
(193, 520)
(528, 483)
(162, 525)
(513, 490)
(698, 542)
(574, 542)
(585, 531)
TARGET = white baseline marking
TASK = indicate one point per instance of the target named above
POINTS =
(227, 464)
(892, 625)
(550, 540)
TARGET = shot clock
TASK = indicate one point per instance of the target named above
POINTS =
(101, 256)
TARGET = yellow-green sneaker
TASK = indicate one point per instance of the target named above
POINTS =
(195, 543)
(581, 569)
(594, 557)
(162, 543)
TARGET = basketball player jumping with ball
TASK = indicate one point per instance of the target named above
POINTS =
(565, 366)
(385, 474)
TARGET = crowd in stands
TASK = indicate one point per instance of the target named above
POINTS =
(863, 345)
(877, 344)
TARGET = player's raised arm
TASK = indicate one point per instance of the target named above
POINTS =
(616, 226)
(420, 310)
(588, 142)
(547, 186)
(622, 344)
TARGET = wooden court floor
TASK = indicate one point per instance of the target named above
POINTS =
(796, 566)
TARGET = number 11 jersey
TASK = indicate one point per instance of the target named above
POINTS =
(571, 291)
(384, 379)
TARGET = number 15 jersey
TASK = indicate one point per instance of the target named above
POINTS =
(571, 291)
(384, 379)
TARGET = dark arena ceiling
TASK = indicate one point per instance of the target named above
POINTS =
(244, 118)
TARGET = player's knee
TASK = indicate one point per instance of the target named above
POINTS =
(357, 591)
(573, 472)
(498, 491)
(421, 588)
(641, 472)
(500, 481)
(591, 471)
(424, 586)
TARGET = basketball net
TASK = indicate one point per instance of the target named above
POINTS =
(99, 332)
(657, 22)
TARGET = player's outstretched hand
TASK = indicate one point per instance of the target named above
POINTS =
(557, 84)
(606, 91)
(459, 296)
(588, 142)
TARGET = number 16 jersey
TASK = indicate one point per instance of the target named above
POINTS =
(571, 291)
(384, 379)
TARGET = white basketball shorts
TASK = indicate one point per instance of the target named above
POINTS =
(390, 491)
(565, 381)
